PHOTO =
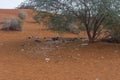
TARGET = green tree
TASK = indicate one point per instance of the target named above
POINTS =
(92, 13)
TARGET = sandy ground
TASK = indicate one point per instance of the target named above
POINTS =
(25, 59)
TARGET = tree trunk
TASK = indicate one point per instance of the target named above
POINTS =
(91, 39)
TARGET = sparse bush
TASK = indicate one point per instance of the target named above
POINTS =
(37, 18)
(113, 29)
(12, 24)
(61, 23)
(41, 17)
(73, 28)
(115, 34)
(57, 23)
(22, 15)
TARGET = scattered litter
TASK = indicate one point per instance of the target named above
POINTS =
(47, 59)
(84, 44)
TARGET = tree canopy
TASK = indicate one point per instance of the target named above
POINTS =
(92, 13)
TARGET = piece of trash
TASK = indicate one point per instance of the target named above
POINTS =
(47, 59)
(84, 44)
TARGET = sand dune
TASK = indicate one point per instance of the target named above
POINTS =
(24, 59)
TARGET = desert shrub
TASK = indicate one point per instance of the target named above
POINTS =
(22, 15)
(41, 16)
(37, 18)
(113, 29)
(115, 34)
(82, 27)
(57, 23)
(12, 24)
(62, 23)
(73, 28)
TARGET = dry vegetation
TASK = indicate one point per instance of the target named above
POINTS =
(33, 55)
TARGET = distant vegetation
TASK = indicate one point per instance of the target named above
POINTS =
(94, 15)
(22, 15)
(113, 27)
(12, 24)
(24, 5)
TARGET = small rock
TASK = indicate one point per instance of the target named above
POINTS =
(47, 59)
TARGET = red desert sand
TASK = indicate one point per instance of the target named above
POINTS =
(23, 58)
